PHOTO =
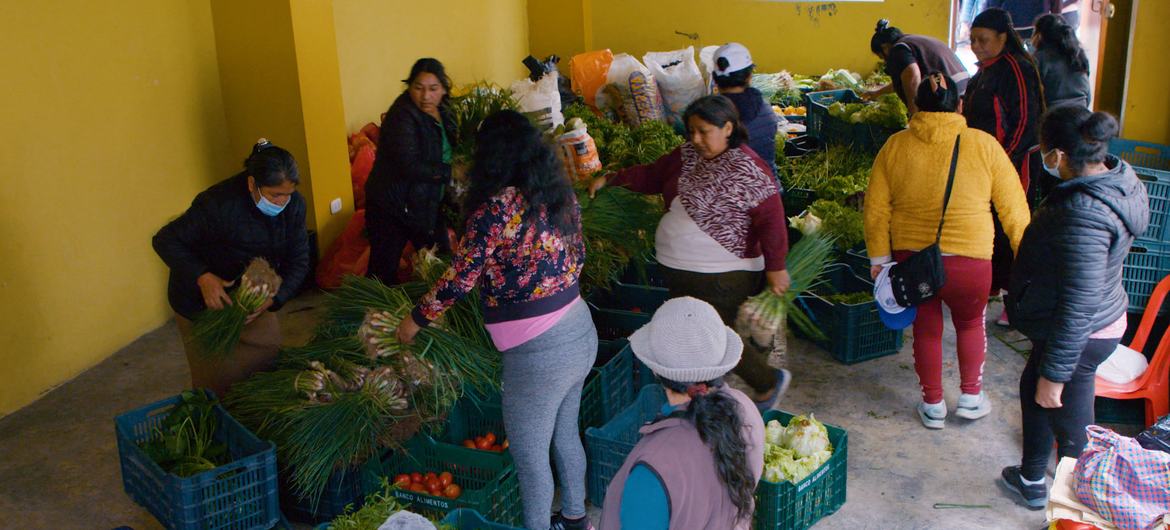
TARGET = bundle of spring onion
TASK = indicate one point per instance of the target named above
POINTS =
(760, 317)
(618, 226)
(472, 104)
(218, 331)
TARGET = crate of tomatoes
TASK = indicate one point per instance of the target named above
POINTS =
(435, 478)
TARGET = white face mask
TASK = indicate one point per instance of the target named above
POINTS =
(1054, 170)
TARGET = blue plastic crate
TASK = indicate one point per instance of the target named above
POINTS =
(345, 488)
(1145, 155)
(644, 272)
(630, 297)
(819, 124)
(606, 447)
(615, 323)
(1151, 162)
(854, 332)
(235, 496)
(1147, 263)
(609, 388)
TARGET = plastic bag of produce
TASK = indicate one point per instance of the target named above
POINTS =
(579, 151)
(359, 172)
(349, 254)
(587, 72)
(678, 77)
(540, 100)
(638, 88)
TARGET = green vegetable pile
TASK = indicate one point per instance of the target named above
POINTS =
(620, 146)
(861, 297)
(878, 78)
(184, 444)
(842, 222)
(476, 102)
(759, 318)
(836, 173)
(618, 226)
(793, 452)
(888, 111)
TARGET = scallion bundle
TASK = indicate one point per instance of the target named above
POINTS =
(218, 331)
(761, 316)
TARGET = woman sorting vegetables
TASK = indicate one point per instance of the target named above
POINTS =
(698, 464)
(255, 213)
(1004, 99)
(724, 232)
(522, 247)
(910, 57)
(903, 206)
(411, 171)
(1066, 291)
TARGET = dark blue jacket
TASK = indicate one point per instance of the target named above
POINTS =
(1066, 281)
(756, 115)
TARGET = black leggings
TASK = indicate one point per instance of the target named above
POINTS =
(1066, 425)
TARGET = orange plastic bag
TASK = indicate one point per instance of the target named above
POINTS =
(587, 73)
(349, 254)
(359, 172)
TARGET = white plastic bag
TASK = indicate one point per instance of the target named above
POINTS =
(1122, 366)
(540, 100)
(678, 77)
(707, 59)
(641, 101)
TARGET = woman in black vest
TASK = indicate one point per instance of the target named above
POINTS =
(411, 172)
(909, 58)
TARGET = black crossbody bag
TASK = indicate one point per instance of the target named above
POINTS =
(921, 276)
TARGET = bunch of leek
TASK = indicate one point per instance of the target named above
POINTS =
(761, 317)
(218, 331)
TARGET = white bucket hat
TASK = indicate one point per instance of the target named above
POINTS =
(687, 342)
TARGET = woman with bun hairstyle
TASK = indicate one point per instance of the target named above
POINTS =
(909, 58)
(1066, 292)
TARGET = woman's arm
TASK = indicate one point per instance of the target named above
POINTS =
(176, 242)
(645, 504)
(649, 178)
(296, 257)
(1011, 104)
(480, 238)
(1082, 249)
(878, 210)
(1011, 205)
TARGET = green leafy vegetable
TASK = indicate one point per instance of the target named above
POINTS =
(850, 298)
(842, 222)
(184, 444)
(793, 452)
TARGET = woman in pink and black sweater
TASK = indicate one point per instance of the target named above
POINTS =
(724, 231)
(522, 247)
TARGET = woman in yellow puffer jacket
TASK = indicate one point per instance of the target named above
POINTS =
(903, 205)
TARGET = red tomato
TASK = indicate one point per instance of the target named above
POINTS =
(490, 437)
(446, 479)
(635, 309)
(482, 444)
(433, 485)
(402, 481)
(416, 477)
(452, 491)
(497, 448)
(470, 444)
(430, 475)
(418, 488)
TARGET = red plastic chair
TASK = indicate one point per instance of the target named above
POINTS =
(1154, 385)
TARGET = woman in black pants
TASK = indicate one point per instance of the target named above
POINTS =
(411, 171)
(1066, 292)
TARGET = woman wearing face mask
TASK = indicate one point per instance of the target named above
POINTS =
(256, 213)
(909, 58)
(724, 233)
(411, 171)
(1066, 292)
(1004, 99)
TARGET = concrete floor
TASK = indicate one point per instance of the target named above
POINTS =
(59, 468)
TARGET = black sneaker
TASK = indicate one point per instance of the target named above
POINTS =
(560, 522)
(1035, 496)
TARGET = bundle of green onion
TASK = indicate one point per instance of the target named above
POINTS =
(760, 318)
(471, 106)
(618, 226)
(218, 331)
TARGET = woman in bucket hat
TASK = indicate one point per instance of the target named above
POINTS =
(707, 429)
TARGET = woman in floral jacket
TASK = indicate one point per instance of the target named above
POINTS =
(522, 247)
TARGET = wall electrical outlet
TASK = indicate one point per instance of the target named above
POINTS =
(335, 205)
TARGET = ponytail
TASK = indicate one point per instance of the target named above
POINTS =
(1081, 134)
(1057, 35)
(717, 418)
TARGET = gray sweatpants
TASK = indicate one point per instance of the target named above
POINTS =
(542, 382)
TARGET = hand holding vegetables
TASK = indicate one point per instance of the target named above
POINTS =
(407, 329)
(778, 281)
(596, 186)
(218, 330)
(212, 288)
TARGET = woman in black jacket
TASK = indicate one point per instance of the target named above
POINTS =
(1066, 292)
(1063, 65)
(909, 58)
(411, 171)
(256, 213)
(1004, 99)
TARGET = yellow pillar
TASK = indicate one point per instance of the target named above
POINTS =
(280, 80)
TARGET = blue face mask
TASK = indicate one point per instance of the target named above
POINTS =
(1055, 170)
(268, 207)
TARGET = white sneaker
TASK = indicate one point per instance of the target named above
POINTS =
(934, 416)
(973, 406)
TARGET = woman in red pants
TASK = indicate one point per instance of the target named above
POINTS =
(903, 207)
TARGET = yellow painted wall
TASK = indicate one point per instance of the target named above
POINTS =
(802, 37)
(1147, 99)
(112, 122)
(566, 38)
(378, 41)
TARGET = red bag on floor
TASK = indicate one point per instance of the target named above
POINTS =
(349, 254)
(372, 131)
(359, 171)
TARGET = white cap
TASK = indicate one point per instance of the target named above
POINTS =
(687, 342)
(736, 55)
(892, 315)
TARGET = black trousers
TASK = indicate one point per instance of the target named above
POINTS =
(1066, 425)
(387, 240)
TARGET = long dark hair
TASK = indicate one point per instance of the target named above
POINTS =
(1083, 135)
(716, 417)
(883, 33)
(718, 110)
(429, 65)
(999, 20)
(270, 165)
(1057, 35)
(509, 151)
